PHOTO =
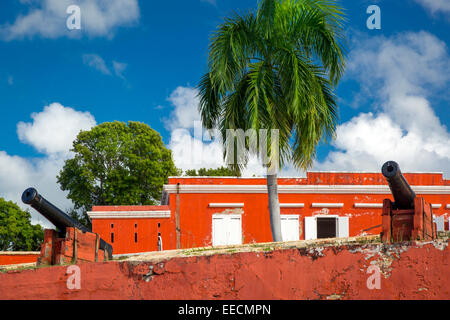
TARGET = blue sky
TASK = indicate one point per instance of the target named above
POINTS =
(140, 60)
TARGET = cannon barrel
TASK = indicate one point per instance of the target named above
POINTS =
(403, 194)
(58, 217)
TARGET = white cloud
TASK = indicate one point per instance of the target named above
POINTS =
(96, 62)
(18, 174)
(119, 69)
(191, 146)
(185, 100)
(191, 153)
(47, 19)
(435, 6)
(52, 133)
(54, 129)
(400, 73)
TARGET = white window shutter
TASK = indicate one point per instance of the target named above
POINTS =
(219, 231)
(310, 228)
(439, 223)
(290, 227)
(227, 230)
(235, 231)
(343, 227)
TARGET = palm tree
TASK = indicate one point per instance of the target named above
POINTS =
(276, 69)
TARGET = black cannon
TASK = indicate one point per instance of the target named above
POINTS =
(403, 194)
(409, 217)
(61, 220)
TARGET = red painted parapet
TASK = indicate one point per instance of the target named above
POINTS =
(77, 246)
(409, 217)
(11, 257)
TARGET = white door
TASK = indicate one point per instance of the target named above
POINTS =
(290, 227)
(226, 230)
(310, 228)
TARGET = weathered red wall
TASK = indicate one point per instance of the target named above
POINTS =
(196, 216)
(408, 271)
(9, 258)
(124, 230)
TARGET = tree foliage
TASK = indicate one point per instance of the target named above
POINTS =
(219, 172)
(16, 231)
(117, 164)
(276, 68)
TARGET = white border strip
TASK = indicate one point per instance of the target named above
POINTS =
(327, 205)
(292, 205)
(436, 205)
(368, 205)
(128, 214)
(19, 253)
(302, 189)
(226, 205)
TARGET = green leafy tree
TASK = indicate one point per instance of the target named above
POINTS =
(276, 69)
(219, 172)
(116, 164)
(80, 216)
(16, 231)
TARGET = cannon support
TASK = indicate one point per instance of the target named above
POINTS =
(71, 241)
(403, 194)
(409, 217)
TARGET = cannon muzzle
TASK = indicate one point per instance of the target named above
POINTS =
(403, 194)
(50, 212)
(56, 216)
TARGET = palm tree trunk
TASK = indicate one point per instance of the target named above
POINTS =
(274, 207)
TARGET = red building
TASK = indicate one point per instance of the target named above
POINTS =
(213, 211)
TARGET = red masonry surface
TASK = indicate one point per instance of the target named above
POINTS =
(10, 258)
(188, 201)
(76, 246)
(406, 271)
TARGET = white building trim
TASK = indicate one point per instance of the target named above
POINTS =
(292, 205)
(368, 205)
(448, 206)
(226, 205)
(436, 205)
(19, 253)
(302, 189)
(128, 214)
(327, 205)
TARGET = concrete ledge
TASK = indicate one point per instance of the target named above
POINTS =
(19, 253)
(18, 266)
(254, 247)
